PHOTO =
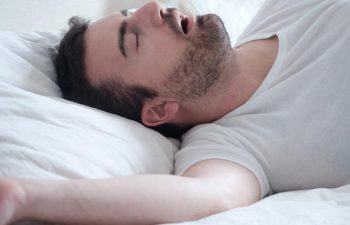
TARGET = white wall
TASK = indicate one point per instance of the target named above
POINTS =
(30, 15)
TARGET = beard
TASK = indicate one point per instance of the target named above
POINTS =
(203, 62)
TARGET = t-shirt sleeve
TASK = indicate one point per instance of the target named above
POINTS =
(212, 141)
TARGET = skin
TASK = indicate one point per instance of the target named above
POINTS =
(157, 42)
(149, 40)
(207, 187)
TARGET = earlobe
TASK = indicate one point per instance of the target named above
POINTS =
(154, 114)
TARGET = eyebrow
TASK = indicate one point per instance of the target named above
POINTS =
(124, 12)
(122, 31)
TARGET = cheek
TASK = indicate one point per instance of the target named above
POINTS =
(162, 55)
(162, 45)
(158, 55)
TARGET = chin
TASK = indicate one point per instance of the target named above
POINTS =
(212, 30)
(211, 21)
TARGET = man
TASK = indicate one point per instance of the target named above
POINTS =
(274, 111)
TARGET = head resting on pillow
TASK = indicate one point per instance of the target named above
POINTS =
(156, 66)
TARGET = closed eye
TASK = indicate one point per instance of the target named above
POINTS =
(122, 31)
(137, 39)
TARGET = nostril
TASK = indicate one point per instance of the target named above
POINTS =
(158, 17)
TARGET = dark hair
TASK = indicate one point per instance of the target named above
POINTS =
(112, 96)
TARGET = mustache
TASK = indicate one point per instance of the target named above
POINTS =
(170, 20)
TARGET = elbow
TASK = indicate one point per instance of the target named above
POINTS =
(212, 201)
(224, 202)
(219, 198)
(211, 207)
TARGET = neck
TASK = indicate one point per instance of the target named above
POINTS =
(245, 71)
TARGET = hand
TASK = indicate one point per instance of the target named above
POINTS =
(11, 196)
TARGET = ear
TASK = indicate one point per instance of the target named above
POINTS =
(155, 112)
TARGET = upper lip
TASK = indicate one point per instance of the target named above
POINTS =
(183, 21)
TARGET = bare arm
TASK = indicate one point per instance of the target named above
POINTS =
(206, 188)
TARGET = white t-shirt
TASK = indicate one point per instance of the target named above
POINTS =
(294, 132)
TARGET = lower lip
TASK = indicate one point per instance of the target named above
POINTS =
(191, 22)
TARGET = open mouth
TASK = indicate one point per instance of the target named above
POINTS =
(184, 25)
(178, 20)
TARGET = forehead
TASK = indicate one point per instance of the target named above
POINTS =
(101, 48)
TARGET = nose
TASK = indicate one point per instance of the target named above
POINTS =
(151, 11)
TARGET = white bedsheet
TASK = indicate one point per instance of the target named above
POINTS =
(312, 207)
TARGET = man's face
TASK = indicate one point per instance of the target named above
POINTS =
(160, 49)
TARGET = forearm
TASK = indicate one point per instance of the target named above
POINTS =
(124, 200)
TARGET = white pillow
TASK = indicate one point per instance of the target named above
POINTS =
(44, 136)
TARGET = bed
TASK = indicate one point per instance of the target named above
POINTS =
(43, 136)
